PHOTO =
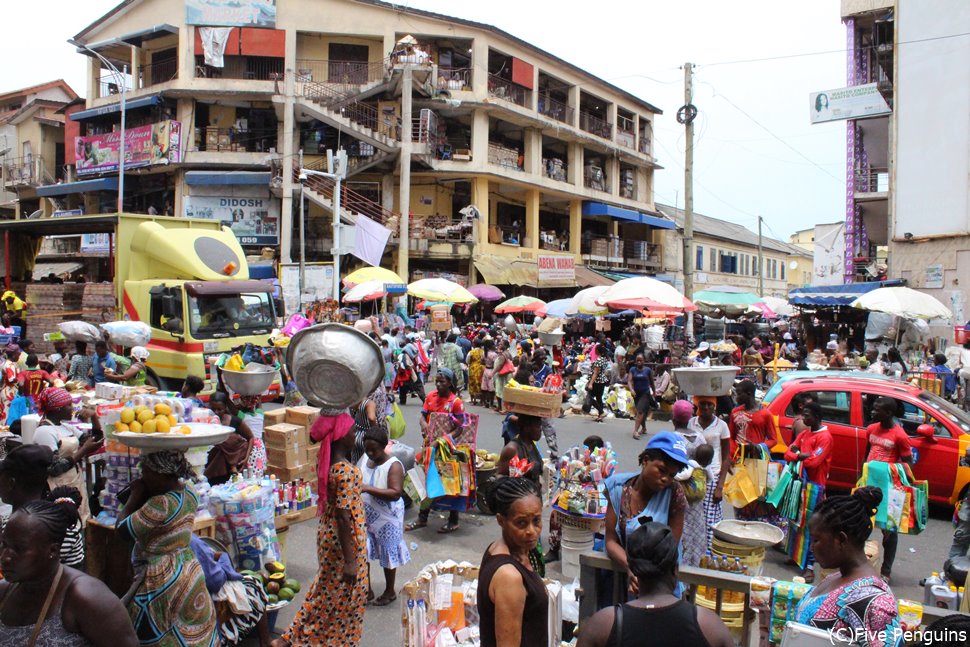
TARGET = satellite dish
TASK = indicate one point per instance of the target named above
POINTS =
(36, 214)
(4, 150)
(793, 265)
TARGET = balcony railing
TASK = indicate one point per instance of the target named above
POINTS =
(424, 129)
(504, 235)
(505, 89)
(109, 86)
(594, 178)
(554, 169)
(595, 125)
(251, 68)
(506, 157)
(555, 109)
(237, 140)
(342, 72)
(442, 228)
(29, 171)
(158, 72)
(644, 145)
(626, 132)
(362, 114)
(454, 78)
(872, 180)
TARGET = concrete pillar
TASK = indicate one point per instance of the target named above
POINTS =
(532, 140)
(532, 217)
(574, 172)
(185, 112)
(611, 118)
(178, 209)
(613, 175)
(480, 200)
(574, 104)
(575, 225)
(187, 52)
(133, 69)
(94, 78)
(480, 68)
(387, 191)
(403, 248)
(289, 128)
(480, 138)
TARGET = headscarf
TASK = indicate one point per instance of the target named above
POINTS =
(448, 374)
(52, 399)
(326, 430)
(704, 398)
(682, 412)
(140, 353)
(169, 462)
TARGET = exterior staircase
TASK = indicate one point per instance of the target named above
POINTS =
(320, 190)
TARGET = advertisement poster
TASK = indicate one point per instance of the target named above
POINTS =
(159, 143)
(829, 257)
(319, 285)
(231, 13)
(96, 243)
(254, 218)
(556, 269)
(847, 103)
(934, 276)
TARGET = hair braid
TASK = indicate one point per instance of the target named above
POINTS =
(850, 514)
(504, 492)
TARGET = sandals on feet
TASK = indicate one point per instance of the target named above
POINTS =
(414, 525)
(383, 600)
(447, 528)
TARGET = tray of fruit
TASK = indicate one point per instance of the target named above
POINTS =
(158, 428)
(279, 588)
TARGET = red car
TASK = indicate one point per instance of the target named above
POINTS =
(938, 430)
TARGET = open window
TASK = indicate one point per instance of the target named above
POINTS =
(836, 405)
(165, 310)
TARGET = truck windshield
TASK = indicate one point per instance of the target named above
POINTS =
(231, 315)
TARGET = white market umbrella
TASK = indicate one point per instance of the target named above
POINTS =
(779, 306)
(903, 302)
(366, 291)
(644, 293)
(441, 290)
(584, 302)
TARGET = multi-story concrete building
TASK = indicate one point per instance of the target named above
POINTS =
(907, 169)
(436, 113)
(32, 145)
(726, 253)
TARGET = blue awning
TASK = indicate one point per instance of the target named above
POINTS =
(836, 295)
(619, 213)
(111, 108)
(67, 188)
(207, 178)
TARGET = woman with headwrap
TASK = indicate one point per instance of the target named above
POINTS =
(69, 444)
(333, 612)
(231, 455)
(170, 603)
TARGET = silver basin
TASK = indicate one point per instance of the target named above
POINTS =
(334, 365)
(255, 379)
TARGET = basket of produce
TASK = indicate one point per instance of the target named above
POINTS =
(179, 437)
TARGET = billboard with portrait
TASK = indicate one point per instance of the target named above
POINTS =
(231, 13)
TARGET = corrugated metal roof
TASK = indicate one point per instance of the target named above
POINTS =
(729, 231)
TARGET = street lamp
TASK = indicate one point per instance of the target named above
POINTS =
(124, 89)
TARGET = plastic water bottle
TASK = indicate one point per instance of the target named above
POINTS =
(943, 596)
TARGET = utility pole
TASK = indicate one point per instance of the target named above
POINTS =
(761, 262)
(686, 116)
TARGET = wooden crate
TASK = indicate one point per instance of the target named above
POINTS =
(533, 403)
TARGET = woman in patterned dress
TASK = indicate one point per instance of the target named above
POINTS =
(171, 606)
(476, 367)
(8, 379)
(333, 612)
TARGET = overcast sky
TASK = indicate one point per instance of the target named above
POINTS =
(755, 151)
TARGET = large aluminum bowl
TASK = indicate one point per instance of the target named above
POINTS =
(713, 381)
(334, 365)
(255, 379)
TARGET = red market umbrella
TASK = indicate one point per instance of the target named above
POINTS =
(486, 292)
(519, 304)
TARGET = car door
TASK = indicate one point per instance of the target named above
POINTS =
(936, 457)
(836, 404)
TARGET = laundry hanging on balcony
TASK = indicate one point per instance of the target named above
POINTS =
(214, 40)
(371, 240)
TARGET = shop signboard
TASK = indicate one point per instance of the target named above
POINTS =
(554, 268)
(319, 284)
(159, 143)
(96, 243)
(847, 103)
(250, 211)
(231, 13)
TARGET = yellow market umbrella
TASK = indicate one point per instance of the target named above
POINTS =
(365, 274)
(441, 290)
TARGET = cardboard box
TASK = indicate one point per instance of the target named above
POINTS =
(274, 417)
(312, 452)
(305, 472)
(293, 455)
(302, 416)
(283, 435)
(533, 403)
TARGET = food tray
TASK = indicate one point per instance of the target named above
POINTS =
(748, 533)
(203, 434)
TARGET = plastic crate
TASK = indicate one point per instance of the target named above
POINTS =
(961, 335)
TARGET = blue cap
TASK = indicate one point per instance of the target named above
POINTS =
(672, 444)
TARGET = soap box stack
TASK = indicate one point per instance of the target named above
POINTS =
(289, 453)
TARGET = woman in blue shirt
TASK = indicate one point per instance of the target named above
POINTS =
(640, 381)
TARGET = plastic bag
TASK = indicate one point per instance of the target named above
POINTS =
(295, 324)
(395, 422)
(128, 333)
(80, 331)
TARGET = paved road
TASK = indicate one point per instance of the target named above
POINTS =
(917, 556)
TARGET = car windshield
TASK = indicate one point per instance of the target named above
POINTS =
(231, 315)
(948, 410)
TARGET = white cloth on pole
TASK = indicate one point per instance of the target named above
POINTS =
(371, 240)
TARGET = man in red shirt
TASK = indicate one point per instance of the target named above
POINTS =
(813, 447)
(34, 380)
(887, 442)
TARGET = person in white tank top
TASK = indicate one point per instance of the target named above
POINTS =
(383, 477)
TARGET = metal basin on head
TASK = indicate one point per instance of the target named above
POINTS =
(255, 379)
(334, 365)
